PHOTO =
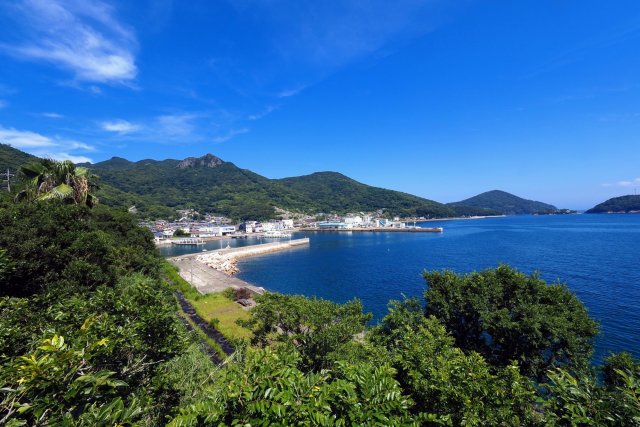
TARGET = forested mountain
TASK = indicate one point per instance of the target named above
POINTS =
(334, 192)
(623, 204)
(209, 184)
(12, 158)
(506, 203)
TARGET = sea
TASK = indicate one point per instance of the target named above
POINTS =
(596, 256)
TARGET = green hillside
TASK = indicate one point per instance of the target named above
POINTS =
(506, 203)
(334, 192)
(623, 204)
(208, 184)
(11, 158)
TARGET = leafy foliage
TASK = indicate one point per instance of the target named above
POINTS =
(53, 244)
(82, 330)
(508, 317)
(619, 366)
(454, 387)
(322, 331)
(573, 401)
(266, 388)
(50, 179)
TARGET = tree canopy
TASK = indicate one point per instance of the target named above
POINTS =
(508, 316)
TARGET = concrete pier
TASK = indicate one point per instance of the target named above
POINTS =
(208, 279)
(378, 230)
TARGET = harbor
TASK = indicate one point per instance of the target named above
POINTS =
(380, 229)
(212, 271)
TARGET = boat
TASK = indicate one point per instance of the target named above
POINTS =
(276, 235)
(190, 241)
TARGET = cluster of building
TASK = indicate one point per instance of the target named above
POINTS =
(357, 221)
(213, 228)
(222, 226)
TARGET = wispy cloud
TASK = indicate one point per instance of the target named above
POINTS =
(83, 37)
(605, 39)
(45, 146)
(3, 103)
(286, 93)
(227, 136)
(627, 183)
(177, 125)
(175, 128)
(119, 126)
(268, 110)
(305, 41)
(52, 115)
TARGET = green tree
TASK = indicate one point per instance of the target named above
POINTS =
(616, 363)
(580, 401)
(507, 316)
(51, 179)
(453, 387)
(267, 388)
(322, 331)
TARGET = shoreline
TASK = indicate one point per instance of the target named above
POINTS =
(213, 271)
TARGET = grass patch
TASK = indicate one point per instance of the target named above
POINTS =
(211, 306)
(203, 337)
(171, 274)
(219, 306)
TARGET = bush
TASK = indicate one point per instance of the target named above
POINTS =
(508, 317)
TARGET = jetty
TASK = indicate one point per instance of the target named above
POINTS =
(380, 229)
(213, 271)
(188, 241)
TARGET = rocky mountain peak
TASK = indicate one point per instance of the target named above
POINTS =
(206, 161)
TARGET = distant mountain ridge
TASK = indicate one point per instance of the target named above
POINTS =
(209, 184)
(505, 203)
(622, 204)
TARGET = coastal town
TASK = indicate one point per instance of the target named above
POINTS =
(189, 230)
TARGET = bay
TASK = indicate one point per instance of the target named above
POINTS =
(597, 256)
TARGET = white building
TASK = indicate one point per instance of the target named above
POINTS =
(353, 221)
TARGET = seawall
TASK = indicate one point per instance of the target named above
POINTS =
(212, 271)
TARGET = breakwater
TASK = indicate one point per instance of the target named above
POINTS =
(380, 229)
(213, 271)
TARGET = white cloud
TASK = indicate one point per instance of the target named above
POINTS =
(120, 126)
(177, 125)
(24, 139)
(52, 115)
(44, 146)
(229, 135)
(61, 155)
(629, 183)
(83, 37)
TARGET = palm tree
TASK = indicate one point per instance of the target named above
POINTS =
(49, 179)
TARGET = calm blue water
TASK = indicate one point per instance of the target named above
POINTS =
(597, 256)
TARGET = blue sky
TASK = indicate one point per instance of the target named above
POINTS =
(441, 99)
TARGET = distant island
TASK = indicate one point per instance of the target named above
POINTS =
(623, 204)
(159, 188)
(508, 204)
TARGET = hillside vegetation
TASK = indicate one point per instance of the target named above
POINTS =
(506, 203)
(91, 335)
(623, 204)
(209, 184)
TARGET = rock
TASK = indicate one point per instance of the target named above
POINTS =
(206, 161)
